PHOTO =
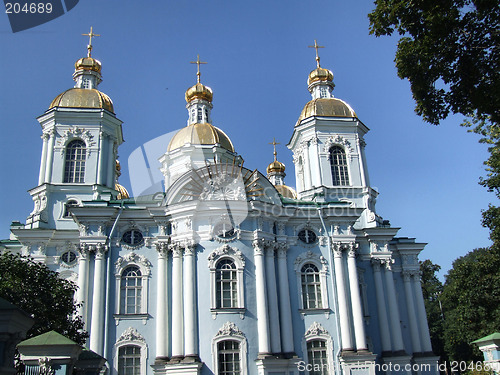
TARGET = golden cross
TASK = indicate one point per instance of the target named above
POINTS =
(316, 47)
(198, 62)
(90, 35)
(274, 143)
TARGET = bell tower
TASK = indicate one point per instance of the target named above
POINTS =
(81, 135)
(328, 149)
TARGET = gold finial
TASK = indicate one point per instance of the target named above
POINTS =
(274, 143)
(89, 47)
(316, 47)
(198, 62)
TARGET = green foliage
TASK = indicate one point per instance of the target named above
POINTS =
(471, 302)
(432, 289)
(449, 51)
(39, 291)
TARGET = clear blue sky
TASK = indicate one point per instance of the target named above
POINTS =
(258, 62)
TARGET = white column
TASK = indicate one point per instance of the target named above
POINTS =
(111, 163)
(285, 305)
(161, 303)
(396, 335)
(307, 167)
(318, 176)
(412, 317)
(50, 156)
(97, 321)
(342, 299)
(272, 294)
(381, 308)
(83, 277)
(177, 326)
(100, 164)
(43, 161)
(357, 309)
(260, 292)
(190, 326)
(422, 315)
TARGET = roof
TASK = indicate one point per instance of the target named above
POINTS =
(200, 134)
(83, 98)
(493, 336)
(48, 338)
(326, 107)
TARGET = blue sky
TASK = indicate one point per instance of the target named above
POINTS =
(258, 62)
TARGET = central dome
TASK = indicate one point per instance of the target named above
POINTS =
(329, 107)
(200, 134)
(83, 98)
(199, 91)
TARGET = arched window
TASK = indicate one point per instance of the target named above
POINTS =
(338, 163)
(200, 115)
(317, 357)
(226, 284)
(131, 291)
(129, 360)
(69, 203)
(228, 357)
(311, 287)
(74, 166)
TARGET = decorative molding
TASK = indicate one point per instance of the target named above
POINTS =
(131, 334)
(226, 250)
(132, 258)
(230, 329)
(337, 140)
(316, 329)
(74, 132)
(310, 256)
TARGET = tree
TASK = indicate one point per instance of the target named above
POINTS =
(432, 289)
(471, 302)
(450, 53)
(40, 292)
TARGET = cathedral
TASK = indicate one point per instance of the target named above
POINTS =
(227, 270)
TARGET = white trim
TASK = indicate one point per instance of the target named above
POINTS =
(132, 259)
(226, 252)
(130, 337)
(229, 331)
(317, 332)
(321, 263)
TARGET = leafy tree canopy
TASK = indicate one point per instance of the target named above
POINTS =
(36, 289)
(450, 53)
(471, 302)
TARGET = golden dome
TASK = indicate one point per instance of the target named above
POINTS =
(331, 107)
(200, 134)
(320, 74)
(122, 192)
(199, 91)
(276, 166)
(88, 63)
(286, 191)
(83, 98)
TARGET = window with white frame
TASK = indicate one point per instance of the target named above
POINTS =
(318, 345)
(131, 291)
(338, 163)
(130, 353)
(132, 273)
(226, 278)
(311, 270)
(311, 287)
(229, 351)
(74, 165)
(226, 284)
(68, 204)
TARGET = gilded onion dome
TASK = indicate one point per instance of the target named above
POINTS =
(88, 63)
(82, 98)
(286, 191)
(276, 166)
(200, 134)
(199, 91)
(122, 192)
(326, 107)
(320, 74)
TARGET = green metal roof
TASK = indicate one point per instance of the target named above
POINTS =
(48, 338)
(493, 336)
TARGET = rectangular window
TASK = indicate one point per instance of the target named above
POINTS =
(317, 357)
(228, 358)
(129, 360)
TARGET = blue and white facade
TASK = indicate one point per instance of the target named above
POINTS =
(227, 271)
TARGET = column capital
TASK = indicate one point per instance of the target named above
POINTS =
(376, 263)
(176, 249)
(258, 246)
(45, 136)
(282, 249)
(337, 249)
(189, 248)
(100, 250)
(83, 251)
(163, 249)
(351, 249)
(407, 274)
(388, 264)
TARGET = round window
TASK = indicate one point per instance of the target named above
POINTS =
(68, 258)
(307, 236)
(133, 237)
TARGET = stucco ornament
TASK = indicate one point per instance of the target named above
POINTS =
(132, 258)
(131, 334)
(229, 329)
(316, 329)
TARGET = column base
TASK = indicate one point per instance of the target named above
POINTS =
(177, 368)
(360, 362)
(191, 358)
(161, 360)
(276, 365)
(396, 364)
(427, 364)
